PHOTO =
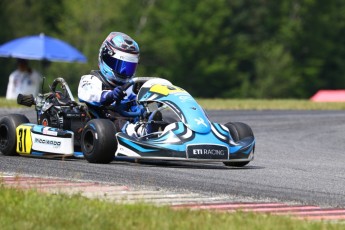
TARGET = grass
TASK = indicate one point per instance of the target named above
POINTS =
(266, 104)
(242, 104)
(33, 210)
(4, 103)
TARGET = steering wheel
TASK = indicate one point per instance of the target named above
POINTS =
(120, 106)
(65, 96)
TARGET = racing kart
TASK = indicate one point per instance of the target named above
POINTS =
(177, 128)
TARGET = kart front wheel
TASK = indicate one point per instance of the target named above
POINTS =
(98, 142)
(8, 138)
(238, 131)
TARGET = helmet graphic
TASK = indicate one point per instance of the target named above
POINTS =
(118, 58)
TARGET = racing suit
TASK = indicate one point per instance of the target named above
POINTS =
(91, 90)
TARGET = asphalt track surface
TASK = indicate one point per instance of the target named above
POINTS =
(300, 158)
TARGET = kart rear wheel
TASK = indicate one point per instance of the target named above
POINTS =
(98, 142)
(238, 131)
(8, 138)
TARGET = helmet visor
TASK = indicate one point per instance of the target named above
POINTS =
(121, 65)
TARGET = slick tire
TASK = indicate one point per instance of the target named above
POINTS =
(98, 141)
(238, 131)
(8, 138)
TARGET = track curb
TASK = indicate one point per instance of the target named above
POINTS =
(194, 201)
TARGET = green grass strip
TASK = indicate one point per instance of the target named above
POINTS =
(265, 104)
(32, 210)
(241, 104)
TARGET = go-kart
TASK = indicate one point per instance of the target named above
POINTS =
(177, 128)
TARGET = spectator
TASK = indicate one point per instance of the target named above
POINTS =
(24, 80)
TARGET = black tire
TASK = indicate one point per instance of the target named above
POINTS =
(238, 131)
(8, 138)
(98, 142)
(236, 164)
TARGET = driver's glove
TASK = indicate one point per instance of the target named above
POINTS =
(118, 94)
(109, 96)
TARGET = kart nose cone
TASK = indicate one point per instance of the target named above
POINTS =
(196, 120)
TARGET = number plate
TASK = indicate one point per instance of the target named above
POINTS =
(24, 141)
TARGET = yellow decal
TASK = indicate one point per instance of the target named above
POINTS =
(24, 142)
(165, 89)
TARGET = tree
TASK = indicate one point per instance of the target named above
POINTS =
(212, 48)
(319, 48)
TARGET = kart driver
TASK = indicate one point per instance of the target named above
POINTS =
(117, 60)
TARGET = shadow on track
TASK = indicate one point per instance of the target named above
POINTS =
(185, 165)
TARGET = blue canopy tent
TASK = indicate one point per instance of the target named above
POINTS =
(41, 47)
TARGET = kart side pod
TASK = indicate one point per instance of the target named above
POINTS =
(43, 141)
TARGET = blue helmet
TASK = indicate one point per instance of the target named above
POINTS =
(118, 58)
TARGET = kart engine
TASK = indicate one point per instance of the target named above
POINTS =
(58, 109)
(69, 117)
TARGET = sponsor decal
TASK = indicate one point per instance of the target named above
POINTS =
(48, 131)
(207, 152)
(48, 142)
(126, 56)
(85, 84)
(200, 121)
(73, 115)
(185, 98)
(166, 90)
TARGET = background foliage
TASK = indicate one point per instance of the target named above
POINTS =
(212, 48)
